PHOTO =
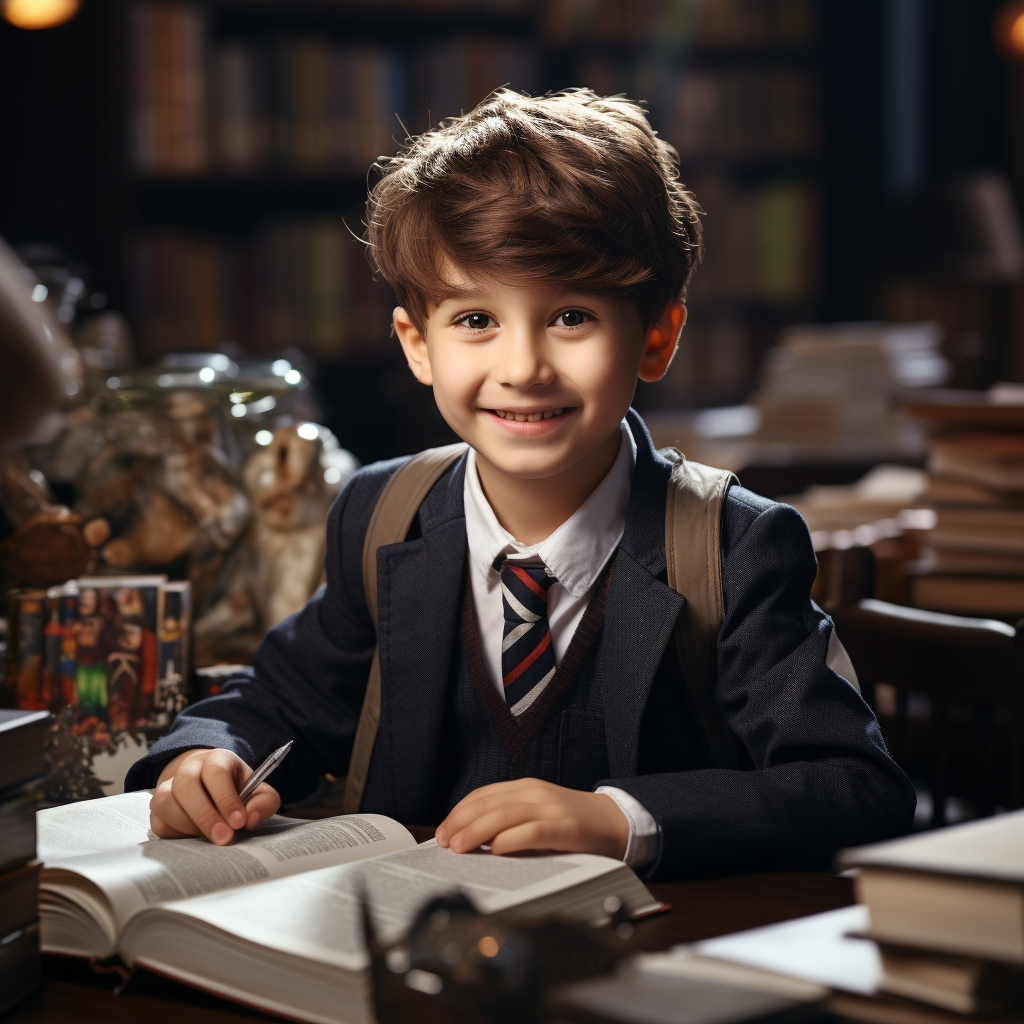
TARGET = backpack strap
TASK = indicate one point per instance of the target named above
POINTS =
(693, 529)
(392, 516)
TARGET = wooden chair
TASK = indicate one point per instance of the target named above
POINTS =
(949, 694)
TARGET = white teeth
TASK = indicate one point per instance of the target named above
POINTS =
(532, 417)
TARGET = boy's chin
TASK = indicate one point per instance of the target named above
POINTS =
(520, 465)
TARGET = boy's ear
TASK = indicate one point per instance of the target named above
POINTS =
(414, 345)
(661, 341)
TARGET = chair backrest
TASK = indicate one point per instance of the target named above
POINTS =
(965, 739)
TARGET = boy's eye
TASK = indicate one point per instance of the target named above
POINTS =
(476, 321)
(571, 318)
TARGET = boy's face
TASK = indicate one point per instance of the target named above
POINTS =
(535, 378)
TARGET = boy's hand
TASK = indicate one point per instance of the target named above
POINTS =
(529, 814)
(197, 794)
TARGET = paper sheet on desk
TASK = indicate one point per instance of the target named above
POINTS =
(819, 949)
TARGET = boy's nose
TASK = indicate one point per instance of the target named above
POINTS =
(523, 360)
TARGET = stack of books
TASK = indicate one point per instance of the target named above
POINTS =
(23, 736)
(946, 909)
(831, 389)
(937, 935)
(974, 561)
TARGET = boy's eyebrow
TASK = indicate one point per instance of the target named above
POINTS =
(456, 294)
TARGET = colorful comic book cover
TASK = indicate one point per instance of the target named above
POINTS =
(24, 677)
(52, 693)
(116, 651)
(172, 690)
(68, 664)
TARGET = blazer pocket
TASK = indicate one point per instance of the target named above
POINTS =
(582, 750)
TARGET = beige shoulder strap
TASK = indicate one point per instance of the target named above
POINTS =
(392, 516)
(693, 528)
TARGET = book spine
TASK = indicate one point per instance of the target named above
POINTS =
(27, 621)
(172, 693)
(51, 688)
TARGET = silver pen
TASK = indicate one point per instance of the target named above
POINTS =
(264, 770)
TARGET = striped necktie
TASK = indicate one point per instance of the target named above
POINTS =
(527, 657)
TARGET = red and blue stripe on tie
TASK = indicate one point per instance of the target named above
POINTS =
(527, 657)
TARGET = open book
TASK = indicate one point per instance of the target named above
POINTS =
(273, 921)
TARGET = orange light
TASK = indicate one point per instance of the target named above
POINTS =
(39, 13)
(1017, 34)
(1008, 29)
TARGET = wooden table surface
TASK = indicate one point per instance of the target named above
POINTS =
(701, 909)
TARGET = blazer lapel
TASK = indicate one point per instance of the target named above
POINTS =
(420, 592)
(639, 617)
(641, 611)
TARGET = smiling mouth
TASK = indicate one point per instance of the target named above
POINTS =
(527, 417)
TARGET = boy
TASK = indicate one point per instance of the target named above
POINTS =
(530, 695)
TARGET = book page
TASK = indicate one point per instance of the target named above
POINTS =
(316, 915)
(92, 826)
(155, 870)
(105, 825)
(823, 948)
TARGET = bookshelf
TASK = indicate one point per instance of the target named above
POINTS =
(734, 86)
(247, 127)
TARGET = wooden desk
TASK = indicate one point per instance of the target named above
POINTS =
(700, 909)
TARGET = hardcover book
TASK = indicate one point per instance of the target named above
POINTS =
(273, 921)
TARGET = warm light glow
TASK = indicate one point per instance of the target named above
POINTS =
(488, 946)
(1017, 34)
(39, 13)
(1008, 29)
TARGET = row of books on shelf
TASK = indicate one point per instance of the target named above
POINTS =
(742, 114)
(296, 104)
(307, 283)
(299, 283)
(311, 105)
(760, 241)
(753, 23)
(111, 652)
(708, 24)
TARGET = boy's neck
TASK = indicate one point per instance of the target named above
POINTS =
(531, 510)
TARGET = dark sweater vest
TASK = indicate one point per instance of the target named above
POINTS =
(560, 738)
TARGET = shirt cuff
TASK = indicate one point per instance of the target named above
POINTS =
(644, 843)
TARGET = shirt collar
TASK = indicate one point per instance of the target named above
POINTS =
(576, 551)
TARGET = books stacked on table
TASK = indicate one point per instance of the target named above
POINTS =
(938, 934)
(947, 911)
(975, 560)
(830, 390)
(23, 736)
(109, 656)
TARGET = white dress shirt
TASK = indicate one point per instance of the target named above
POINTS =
(575, 553)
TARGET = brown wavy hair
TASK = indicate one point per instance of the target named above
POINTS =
(570, 188)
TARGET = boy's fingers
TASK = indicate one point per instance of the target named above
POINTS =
(187, 788)
(532, 835)
(486, 799)
(490, 824)
(471, 807)
(264, 802)
(220, 775)
(166, 818)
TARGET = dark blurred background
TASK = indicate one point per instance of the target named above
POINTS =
(206, 161)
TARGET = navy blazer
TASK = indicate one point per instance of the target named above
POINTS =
(817, 776)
